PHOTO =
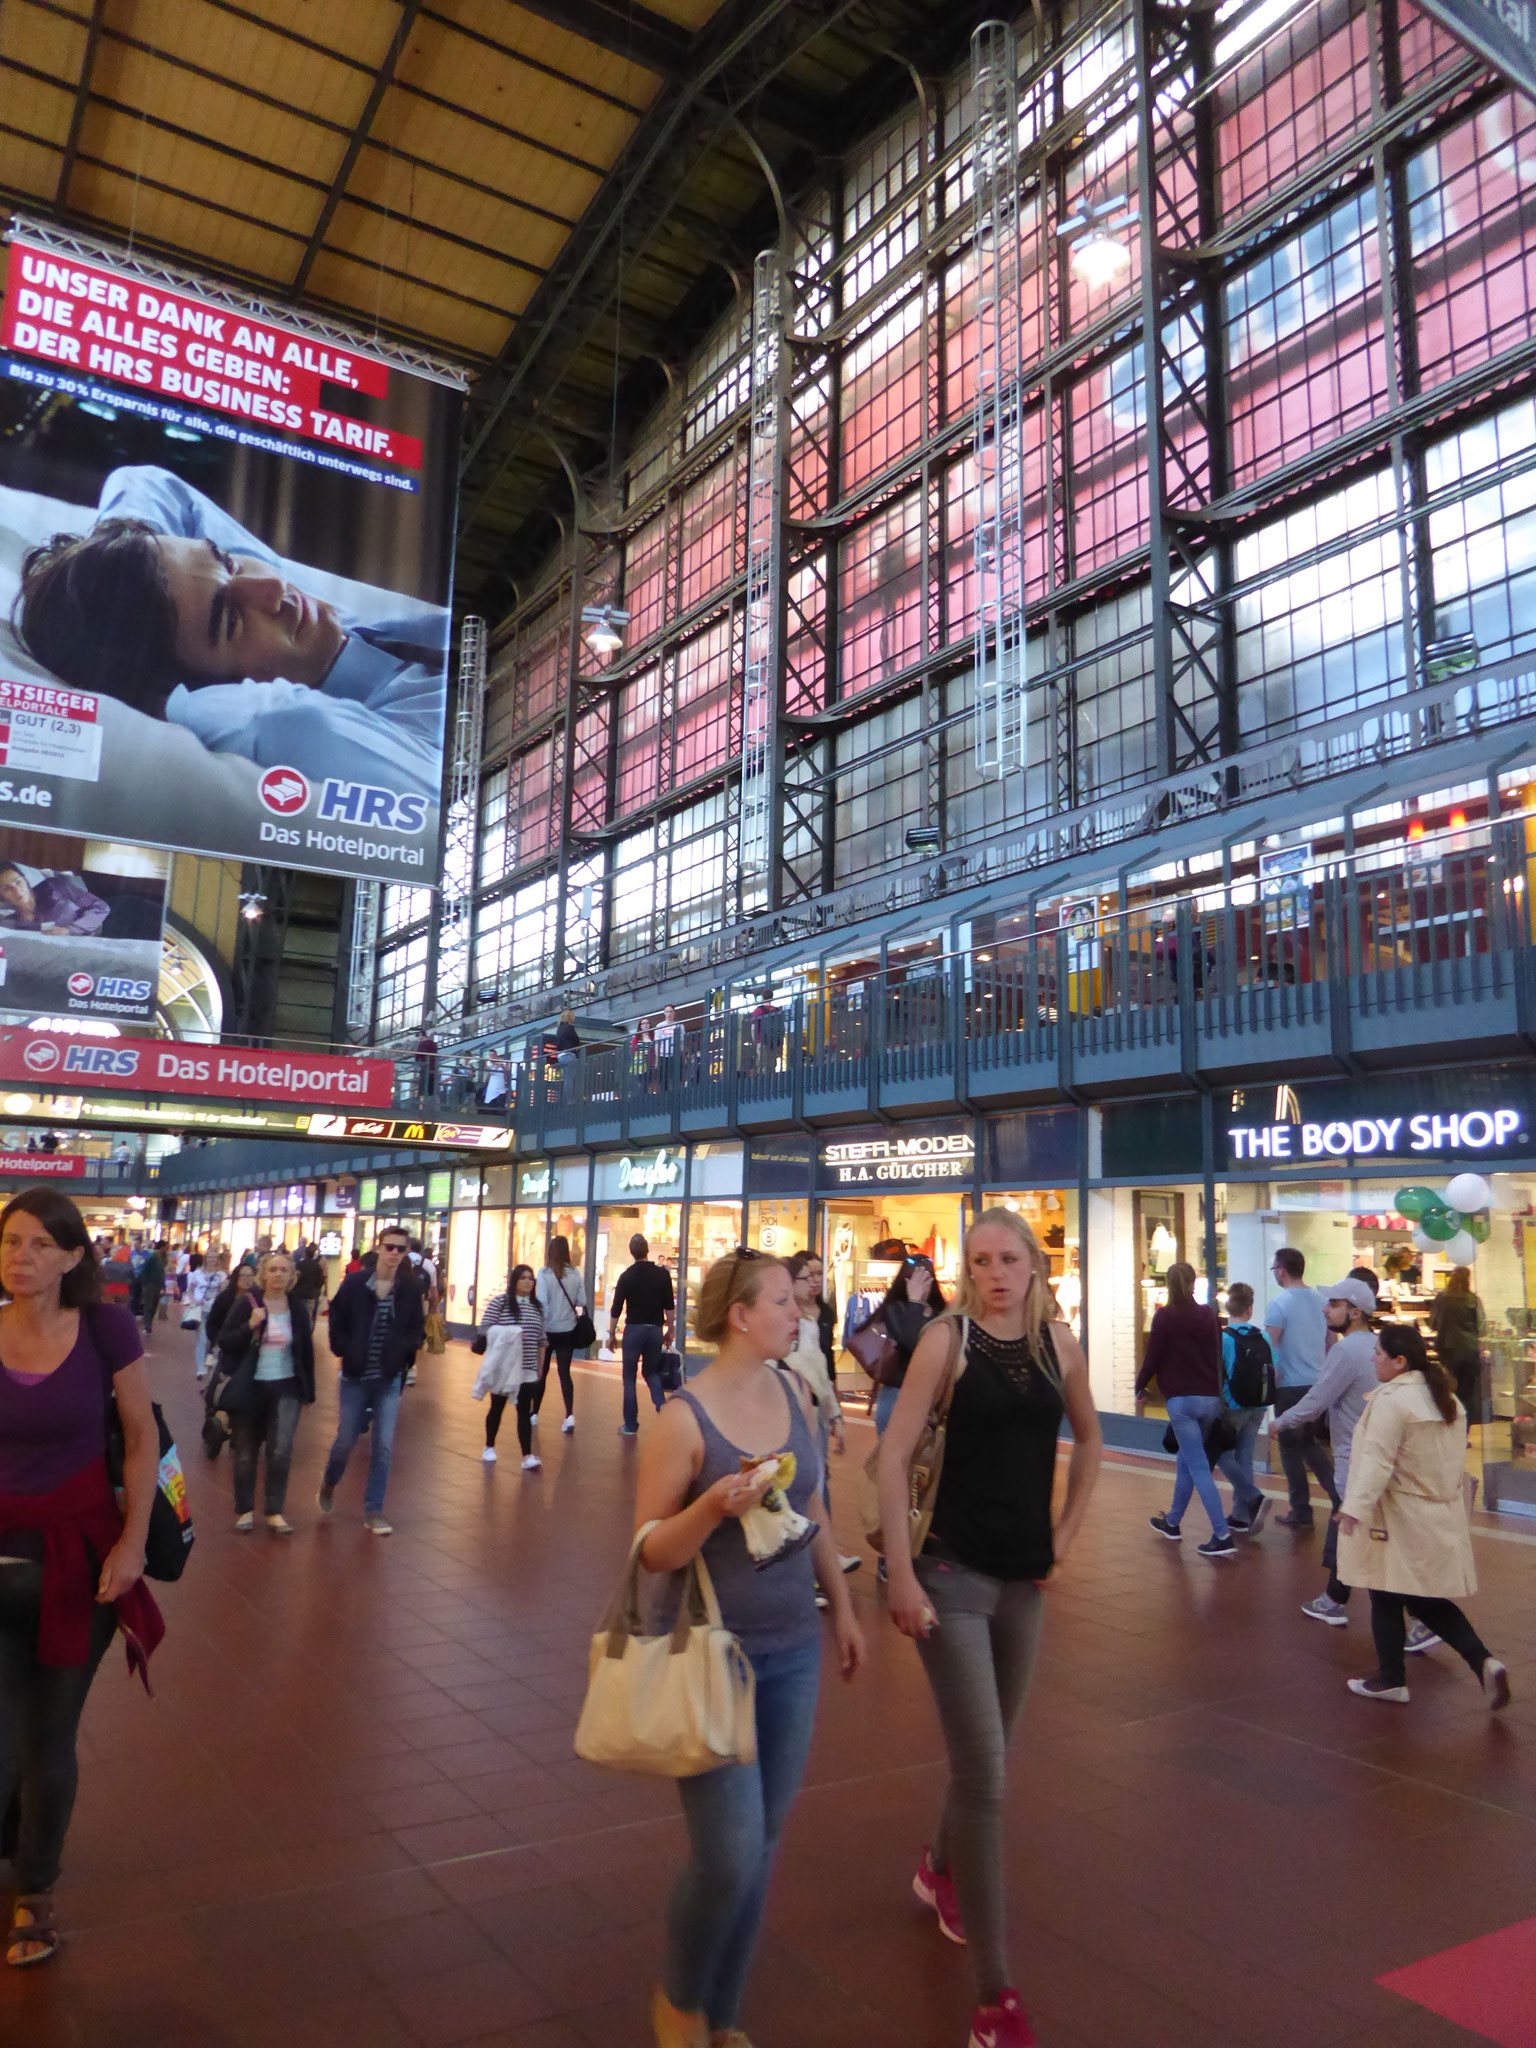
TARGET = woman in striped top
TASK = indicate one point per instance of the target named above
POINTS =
(514, 1326)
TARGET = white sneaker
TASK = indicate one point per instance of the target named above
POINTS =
(1324, 1609)
(568, 1427)
(533, 1420)
(533, 1464)
(849, 1564)
(488, 1456)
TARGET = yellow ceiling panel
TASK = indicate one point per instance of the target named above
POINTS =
(185, 224)
(28, 166)
(45, 41)
(245, 51)
(197, 168)
(42, 110)
(537, 105)
(219, 112)
(394, 300)
(355, 28)
(373, 240)
(686, 13)
(440, 136)
(435, 201)
(540, 39)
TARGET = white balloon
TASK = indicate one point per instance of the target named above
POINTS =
(1468, 1192)
(1461, 1249)
(1423, 1242)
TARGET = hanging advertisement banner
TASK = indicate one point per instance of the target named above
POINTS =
(80, 925)
(45, 1165)
(167, 1066)
(226, 552)
(1502, 32)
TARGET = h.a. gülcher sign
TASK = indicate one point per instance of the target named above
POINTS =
(240, 646)
(938, 1155)
(163, 1066)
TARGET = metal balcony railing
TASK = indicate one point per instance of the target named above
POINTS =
(1366, 957)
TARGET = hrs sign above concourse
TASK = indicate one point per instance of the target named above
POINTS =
(226, 555)
(165, 1066)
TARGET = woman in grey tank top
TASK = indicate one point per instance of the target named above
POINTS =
(693, 1486)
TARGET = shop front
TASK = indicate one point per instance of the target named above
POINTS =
(634, 1192)
(1030, 1164)
(551, 1201)
(1319, 1166)
(460, 1270)
(883, 1195)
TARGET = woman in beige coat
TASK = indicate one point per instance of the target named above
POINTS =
(1403, 1531)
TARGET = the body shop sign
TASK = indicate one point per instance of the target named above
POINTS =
(1363, 1124)
(160, 1066)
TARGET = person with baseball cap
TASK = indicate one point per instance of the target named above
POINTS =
(1339, 1392)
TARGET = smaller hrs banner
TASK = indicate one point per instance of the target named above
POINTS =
(43, 1165)
(80, 925)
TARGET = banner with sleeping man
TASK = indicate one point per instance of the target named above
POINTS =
(80, 925)
(226, 558)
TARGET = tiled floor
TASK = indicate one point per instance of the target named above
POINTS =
(351, 1815)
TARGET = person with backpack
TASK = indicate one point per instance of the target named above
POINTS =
(1248, 1389)
(1340, 1392)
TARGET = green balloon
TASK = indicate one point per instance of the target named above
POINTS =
(1442, 1226)
(1477, 1227)
(1416, 1202)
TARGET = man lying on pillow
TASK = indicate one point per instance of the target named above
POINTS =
(169, 604)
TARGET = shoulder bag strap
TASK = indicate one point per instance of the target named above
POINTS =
(559, 1282)
(952, 1372)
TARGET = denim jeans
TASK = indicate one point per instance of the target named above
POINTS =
(1237, 1464)
(885, 1402)
(40, 1707)
(357, 1400)
(979, 1661)
(642, 1353)
(271, 1422)
(1303, 1450)
(734, 1817)
(1189, 1416)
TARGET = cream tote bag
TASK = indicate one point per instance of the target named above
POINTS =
(673, 1705)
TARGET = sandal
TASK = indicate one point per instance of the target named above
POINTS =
(37, 1932)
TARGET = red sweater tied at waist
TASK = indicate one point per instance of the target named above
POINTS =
(79, 1522)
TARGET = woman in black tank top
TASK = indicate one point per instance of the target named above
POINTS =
(971, 1600)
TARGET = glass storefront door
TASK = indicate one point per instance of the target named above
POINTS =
(714, 1229)
(1051, 1214)
(659, 1223)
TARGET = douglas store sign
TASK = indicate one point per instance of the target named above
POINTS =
(1382, 1120)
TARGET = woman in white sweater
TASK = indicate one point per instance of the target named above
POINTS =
(562, 1298)
(809, 1360)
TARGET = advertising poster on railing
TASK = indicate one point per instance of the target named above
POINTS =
(226, 553)
(80, 923)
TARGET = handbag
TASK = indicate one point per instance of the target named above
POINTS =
(583, 1331)
(874, 1349)
(926, 1467)
(436, 1334)
(669, 1370)
(672, 1706)
(1219, 1436)
(480, 1343)
(168, 1543)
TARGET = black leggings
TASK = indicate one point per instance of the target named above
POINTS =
(1389, 1631)
(527, 1407)
(559, 1349)
(40, 1708)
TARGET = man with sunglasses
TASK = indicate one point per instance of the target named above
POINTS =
(378, 1324)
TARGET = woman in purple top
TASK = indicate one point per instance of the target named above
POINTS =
(1184, 1356)
(62, 1356)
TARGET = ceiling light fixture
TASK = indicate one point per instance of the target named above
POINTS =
(252, 905)
(1098, 255)
(604, 624)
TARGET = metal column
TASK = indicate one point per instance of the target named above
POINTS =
(1001, 721)
(762, 687)
(455, 931)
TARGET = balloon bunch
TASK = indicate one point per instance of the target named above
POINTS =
(1454, 1223)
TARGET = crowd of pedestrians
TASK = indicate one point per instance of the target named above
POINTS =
(733, 1481)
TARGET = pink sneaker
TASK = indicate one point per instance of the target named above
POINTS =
(936, 1888)
(1003, 2025)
